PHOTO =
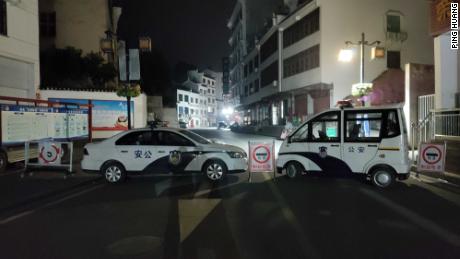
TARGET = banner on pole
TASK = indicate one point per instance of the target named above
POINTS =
(122, 60)
(134, 65)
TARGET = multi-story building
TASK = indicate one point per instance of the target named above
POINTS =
(249, 20)
(294, 71)
(197, 99)
(19, 48)
(80, 24)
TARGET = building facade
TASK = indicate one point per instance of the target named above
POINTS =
(19, 48)
(248, 22)
(197, 101)
(293, 72)
(447, 60)
(80, 24)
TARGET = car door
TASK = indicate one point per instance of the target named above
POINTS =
(324, 143)
(362, 136)
(135, 150)
(173, 151)
(297, 142)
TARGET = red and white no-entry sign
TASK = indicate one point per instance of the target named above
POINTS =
(261, 157)
(431, 157)
(50, 153)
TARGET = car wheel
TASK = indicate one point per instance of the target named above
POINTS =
(293, 169)
(114, 172)
(3, 161)
(215, 170)
(382, 177)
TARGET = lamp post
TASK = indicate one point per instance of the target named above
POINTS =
(346, 55)
(111, 45)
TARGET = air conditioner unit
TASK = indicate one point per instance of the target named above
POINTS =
(275, 83)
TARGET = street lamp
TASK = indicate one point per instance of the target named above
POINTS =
(111, 45)
(346, 55)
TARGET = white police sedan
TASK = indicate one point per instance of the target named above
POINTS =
(162, 151)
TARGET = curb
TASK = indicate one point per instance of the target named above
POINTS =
(417, 175)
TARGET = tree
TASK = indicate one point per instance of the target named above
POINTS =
(67, 68)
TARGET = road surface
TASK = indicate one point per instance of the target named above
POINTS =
(188, 217)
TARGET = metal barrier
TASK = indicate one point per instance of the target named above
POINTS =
(425, 106)
(441, 123)
(446, 123)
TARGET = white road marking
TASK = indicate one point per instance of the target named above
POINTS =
(306, 245)
(23, 214)
(413, 217)
(204, 187)
(20, 215)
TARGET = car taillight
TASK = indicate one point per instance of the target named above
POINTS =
(85, 151)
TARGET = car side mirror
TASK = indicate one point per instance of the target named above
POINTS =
(289, 139)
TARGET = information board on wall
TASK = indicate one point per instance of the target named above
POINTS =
(107, 114)
(24, 123)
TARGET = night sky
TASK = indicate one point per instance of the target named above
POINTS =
(192, 31)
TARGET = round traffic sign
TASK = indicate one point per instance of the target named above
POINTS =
(49, 153)
(261, 154)
(432, 155)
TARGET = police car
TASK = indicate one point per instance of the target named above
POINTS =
(368, 141)
(162, 151)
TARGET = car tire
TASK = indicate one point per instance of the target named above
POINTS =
(382, 177)
(214, 170)
(114, 172)
(293, 169)
(3, 161)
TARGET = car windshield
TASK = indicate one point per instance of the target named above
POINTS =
(195, 137)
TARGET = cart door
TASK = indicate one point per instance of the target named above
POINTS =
(362, 137)
(325, 143)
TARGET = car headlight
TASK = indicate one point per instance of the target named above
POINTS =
(236, 154)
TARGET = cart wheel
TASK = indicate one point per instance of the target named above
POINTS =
(293, 169)
(382, 177)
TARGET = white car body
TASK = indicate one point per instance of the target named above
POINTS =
(328, 142)
(161, 158)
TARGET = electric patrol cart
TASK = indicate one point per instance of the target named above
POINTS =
(371, 141)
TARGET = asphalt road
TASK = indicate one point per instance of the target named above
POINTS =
(187, 217)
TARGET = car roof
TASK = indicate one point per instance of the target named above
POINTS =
(360, 108)
(159, 128)
(383, 107)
